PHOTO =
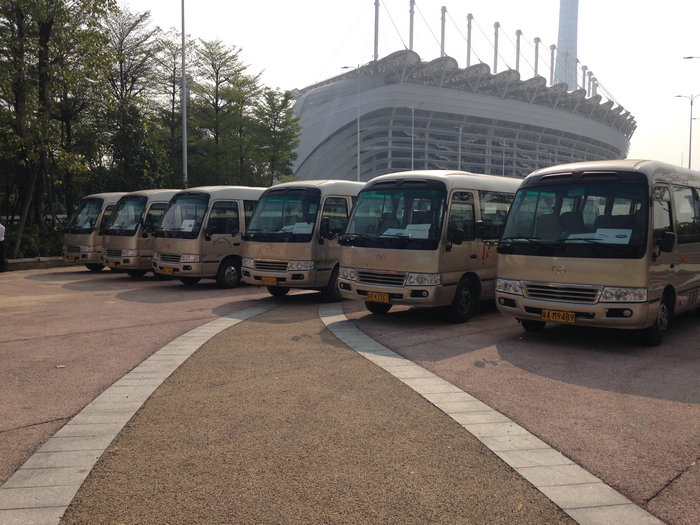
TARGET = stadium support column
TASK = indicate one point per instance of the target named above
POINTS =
(376, 30)
(469, 39)
(495, 47)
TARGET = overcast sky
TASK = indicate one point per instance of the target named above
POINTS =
(635, 52)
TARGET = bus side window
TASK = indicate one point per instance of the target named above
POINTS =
(223, 218)
(662, 212)
(686, 210)
(462, 214)
(336, 209)
(153, 217)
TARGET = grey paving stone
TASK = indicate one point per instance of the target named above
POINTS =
(28, 497)
(584, 495)
(613, 515)
(533, 457)
(72, 458)
(34, 516)
(547, 476)
(46, 477)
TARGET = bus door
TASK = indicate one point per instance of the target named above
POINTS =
(222, 235)
(457, 257)
(686, 206)
(151, 221)
(663, 267)
(336, 209)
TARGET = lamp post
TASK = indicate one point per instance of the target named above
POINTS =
(690, 139)
(357, 68)
(184, 104)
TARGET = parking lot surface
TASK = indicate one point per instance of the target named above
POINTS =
(627, 413)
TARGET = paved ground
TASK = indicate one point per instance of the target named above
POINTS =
(628, 414)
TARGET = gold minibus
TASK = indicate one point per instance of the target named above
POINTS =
(292, 241)
(199, 236)
(609, 244)
(82, 241)
(128, 235)
(421, 238)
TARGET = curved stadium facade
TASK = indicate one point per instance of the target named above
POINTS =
(434, 115)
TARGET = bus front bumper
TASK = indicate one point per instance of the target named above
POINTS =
(630, 316)
(439, 295)
(288, 279)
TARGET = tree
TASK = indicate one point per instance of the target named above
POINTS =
(278, 131)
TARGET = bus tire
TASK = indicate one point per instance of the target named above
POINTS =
(653, 335)
(189, 281)
(464, 302)
(532, 326)
(94, 267)
(331, 292)
(278, 291)
(229, 274)
(378, 308)
(136, 273)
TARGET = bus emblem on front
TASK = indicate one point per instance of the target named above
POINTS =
(380, 256)
(558, 269)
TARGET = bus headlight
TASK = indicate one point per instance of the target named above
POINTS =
(156, 256)
(423, 279)
(130, 253)
(189, 258)
(509, 286)
(247, 262)
(347, 273)
(623, 295)
(295, 266)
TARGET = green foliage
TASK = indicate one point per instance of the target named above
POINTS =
(90, 101)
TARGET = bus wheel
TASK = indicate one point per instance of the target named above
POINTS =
(278, 291)
(136, 273)
(189, 281)
(229, 274)
(532, 326)
(378, 308)
(654, 334)
(331, 292)
(463, 304)
(94, 267)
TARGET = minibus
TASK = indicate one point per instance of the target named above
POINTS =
(425, 238)
(199, 236)
(292, 241)
(608, 244)
(128, 235)
(82, 242)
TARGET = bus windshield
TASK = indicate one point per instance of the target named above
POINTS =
(285, 215)
(85, 216)
(126, 216)
(395, 217)
(184, 216)
(591, 220)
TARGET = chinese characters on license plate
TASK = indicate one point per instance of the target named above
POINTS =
(269, 281)
(558, 316)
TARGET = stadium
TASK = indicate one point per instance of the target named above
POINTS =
(400, 113)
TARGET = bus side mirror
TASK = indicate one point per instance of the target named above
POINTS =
(455, 236)
(667, 241)
(326, 228)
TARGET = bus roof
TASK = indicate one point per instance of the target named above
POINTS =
(226, 192)
(327, 186)
(152, 195)
(454, 179)
(108, 197)
(655, 171)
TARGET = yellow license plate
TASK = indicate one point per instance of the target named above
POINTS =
(269, 281)
(558, 316)
(378, 297)
(168, 270)
(70, 259)
(111, 264)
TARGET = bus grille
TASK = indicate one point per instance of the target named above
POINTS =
(73, 249)
(569, 293)
(386, 279)
(271, 266)
(173, 258)
(114, 253)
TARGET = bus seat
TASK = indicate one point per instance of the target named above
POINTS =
(389, 221)
(547, 227)
(572, 222)
(615, 222)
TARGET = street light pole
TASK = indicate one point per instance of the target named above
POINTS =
(184, 104)
(690, 139)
